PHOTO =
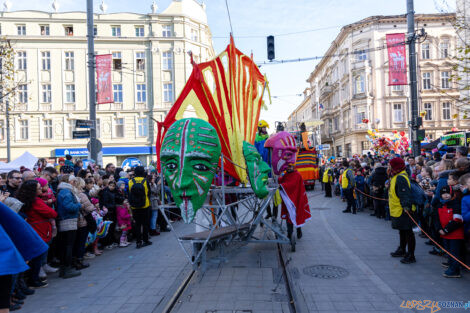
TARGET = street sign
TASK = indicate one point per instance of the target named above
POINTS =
(80, 134)
(325, 146)
(99, 145)
(84, 124)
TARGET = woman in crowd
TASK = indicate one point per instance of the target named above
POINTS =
(38, 215)
(82, 228)
(68, 208)
(400, 203)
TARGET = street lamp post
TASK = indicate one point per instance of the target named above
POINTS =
(415, 121)
(91, 79)
(7, 122)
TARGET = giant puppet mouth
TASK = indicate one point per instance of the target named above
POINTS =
(280, 164)
(186, 207)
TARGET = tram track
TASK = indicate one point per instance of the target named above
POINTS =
(284, 261)
(285, 279)
(174, 300)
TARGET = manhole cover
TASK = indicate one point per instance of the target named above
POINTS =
(326, 271)
(320, 209)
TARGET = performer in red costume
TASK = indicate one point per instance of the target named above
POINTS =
(295, 209)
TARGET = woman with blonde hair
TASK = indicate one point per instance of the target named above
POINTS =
(84, 226)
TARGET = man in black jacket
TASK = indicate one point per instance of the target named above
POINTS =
(13, 182)
(377, 182)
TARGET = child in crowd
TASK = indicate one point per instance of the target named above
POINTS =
(98, 216)
(451, 226)
(124, 220)
(47, 194)
(48, 197)
(360, 185)
(465, 182)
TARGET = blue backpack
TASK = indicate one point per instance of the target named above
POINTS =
(418, 196)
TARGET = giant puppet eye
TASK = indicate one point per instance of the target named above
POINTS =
(287, 155)
(201, 167)
(171, 166)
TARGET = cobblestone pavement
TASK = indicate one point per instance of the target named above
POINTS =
(130, 280)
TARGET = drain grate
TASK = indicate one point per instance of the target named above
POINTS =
(325, 271)
(319, 209)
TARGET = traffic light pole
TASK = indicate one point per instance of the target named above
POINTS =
(415, 120)
(91, 79)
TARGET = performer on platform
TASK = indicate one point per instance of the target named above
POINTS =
(295, 209)
(261, 137)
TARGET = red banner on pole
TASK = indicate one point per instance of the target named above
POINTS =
(396, 59)
(103, 74)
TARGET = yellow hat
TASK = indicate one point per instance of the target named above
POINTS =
(263, 123)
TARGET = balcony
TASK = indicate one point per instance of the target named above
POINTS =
(116, 106)
(356, 65)
(141, 106)
(69, 106)
(20, 107)
(326, 90)
(46, 107)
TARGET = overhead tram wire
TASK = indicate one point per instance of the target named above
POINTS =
(275, 62)
(285, 34)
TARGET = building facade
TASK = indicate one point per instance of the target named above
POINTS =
(150, 66)
(302, 113)
(350, 84)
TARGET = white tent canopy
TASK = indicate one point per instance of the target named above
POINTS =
(26, 159)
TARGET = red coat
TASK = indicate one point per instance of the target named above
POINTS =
(446, 215)
(38, 217)
(293, 187)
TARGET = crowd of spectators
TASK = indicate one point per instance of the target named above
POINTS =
(432, 189)
(79, 213)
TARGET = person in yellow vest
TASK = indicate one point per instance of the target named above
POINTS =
(139, 199)
(399, 201)
(348, 183)
(327, 179)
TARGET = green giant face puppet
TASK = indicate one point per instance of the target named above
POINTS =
(189, 157)
(257, 169)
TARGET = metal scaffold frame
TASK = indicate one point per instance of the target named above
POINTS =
(226, 224)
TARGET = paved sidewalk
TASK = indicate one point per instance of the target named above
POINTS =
(119, 281)
(130, 280)
(376, 282)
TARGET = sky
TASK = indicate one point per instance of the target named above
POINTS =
(253, 20)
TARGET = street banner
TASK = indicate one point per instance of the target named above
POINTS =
(103, 73)
(396, 59)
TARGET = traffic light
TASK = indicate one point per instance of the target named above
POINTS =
(421, 134)
(270, 48)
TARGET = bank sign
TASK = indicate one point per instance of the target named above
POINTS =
(455, 139)
(107, 151)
